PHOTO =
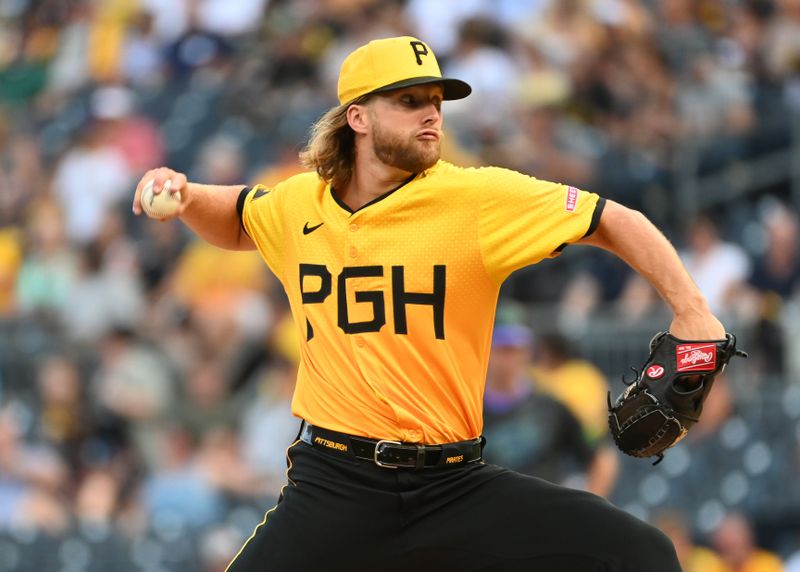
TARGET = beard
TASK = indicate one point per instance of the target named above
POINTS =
(408, 154)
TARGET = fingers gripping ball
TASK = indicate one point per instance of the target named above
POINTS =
(162, 205)
(665, 400)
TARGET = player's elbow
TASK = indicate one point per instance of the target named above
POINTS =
(228, 241)
(244, 242)
(616, 222)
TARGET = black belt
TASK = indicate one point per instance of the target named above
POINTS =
(393, 454)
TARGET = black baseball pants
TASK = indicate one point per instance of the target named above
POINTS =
(339, 513)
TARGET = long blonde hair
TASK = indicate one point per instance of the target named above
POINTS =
(331, 149)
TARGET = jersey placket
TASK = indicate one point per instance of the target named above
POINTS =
(355, 266)
(351, 259)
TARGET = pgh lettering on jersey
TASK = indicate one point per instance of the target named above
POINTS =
(401, 298)
(394, 303)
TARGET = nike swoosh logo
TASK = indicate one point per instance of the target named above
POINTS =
(260, 193)
(309, 229)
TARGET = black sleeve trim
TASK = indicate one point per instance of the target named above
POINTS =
(240, 206)
(598, 211)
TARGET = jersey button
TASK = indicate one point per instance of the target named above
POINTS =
(353, 252)
(353, 227)
(360, 342)
(413, 434)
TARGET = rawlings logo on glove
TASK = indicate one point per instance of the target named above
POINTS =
(665, 400)
(697, 357)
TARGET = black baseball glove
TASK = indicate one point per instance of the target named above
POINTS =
(665, 400)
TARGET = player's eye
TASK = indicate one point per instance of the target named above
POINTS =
(414, 102)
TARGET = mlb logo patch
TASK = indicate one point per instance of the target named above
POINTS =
(696, 357)
(572, 200)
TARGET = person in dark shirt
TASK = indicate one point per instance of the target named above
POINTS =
(777, 271)
(526, 430)
(774, 280)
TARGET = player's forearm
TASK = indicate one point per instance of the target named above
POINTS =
(629, 235)
(211, 213)
(209, 210)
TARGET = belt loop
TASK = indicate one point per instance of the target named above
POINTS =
(420, 458)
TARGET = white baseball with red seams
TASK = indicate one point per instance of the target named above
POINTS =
(160, 205)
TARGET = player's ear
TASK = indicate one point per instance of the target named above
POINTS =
(358, 118)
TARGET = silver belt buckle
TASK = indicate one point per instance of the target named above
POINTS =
(377, 452)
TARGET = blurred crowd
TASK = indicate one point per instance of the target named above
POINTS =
(145, 377)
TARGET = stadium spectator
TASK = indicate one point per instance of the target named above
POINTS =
(84, 198)
(50, 263)
(718, 267)
(480, 58)
(163, 244)
(566, 32)
(206, 403)
(268, 426)
(134, 389)
(782, 41)
(22, 175)
(142, 57)
(575, 382)
(227, 307)
(693, 557)
(10, 263)
(31, 475)
(776, 273)
(100, 297)
(774, 281)
(63, 416)
(179, 485)
(733, 539)
(529, 431)
(548, 144)
(134, 136)
(580, 386)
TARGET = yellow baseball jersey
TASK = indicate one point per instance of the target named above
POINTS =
(394, 303)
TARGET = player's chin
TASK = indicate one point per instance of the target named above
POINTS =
(429, 143)
(429, 152)
(414, 158)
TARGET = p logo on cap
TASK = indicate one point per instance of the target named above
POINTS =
(392, 63)
(420, 49)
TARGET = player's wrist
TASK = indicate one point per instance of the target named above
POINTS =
(701, 325)
(691, 305)
(191, 191)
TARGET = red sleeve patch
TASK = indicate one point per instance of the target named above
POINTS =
(572, 199)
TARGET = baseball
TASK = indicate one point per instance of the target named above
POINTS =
(161, 205)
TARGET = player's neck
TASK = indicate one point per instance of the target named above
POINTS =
(371, 179)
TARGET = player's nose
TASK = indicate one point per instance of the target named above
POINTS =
(432, 115)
